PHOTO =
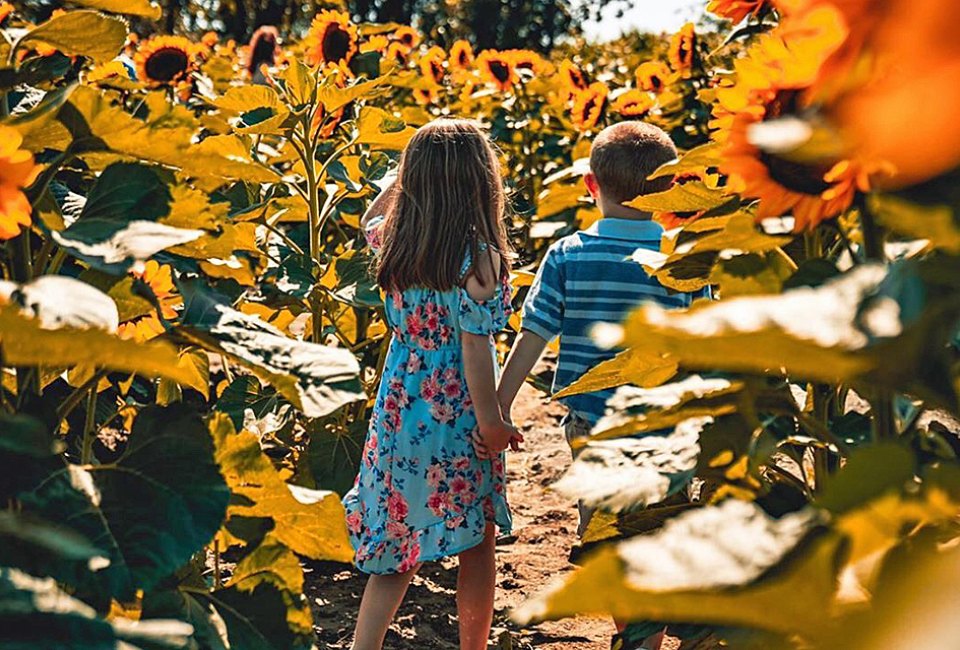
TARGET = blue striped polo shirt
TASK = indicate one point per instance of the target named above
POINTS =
(586, 278)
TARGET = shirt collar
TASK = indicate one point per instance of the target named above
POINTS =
(627, 229)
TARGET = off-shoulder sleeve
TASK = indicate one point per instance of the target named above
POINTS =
(484, 317)
(373, 231)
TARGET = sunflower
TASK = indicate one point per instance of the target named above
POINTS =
(431, 64)
(17, 171)
(332, 38)
(376, 43)
(653, 76)
(407, 36)
(683, 46)
(588, 105)
(160, 280)
(425, 96)
(632, 103)
(736, 10)
(397, 52)
(5, 10)
(497, 68)
(461, 55)
(112, 70)
(164, 60)
(210, 39)
(572, 77)
(527, 60)
(773, 81)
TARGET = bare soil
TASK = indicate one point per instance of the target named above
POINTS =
(544, 530)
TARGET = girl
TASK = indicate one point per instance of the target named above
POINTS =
(431, 480)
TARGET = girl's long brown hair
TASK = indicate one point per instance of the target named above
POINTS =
(447, 200)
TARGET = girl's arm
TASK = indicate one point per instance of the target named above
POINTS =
(495, 434)
(381, 205)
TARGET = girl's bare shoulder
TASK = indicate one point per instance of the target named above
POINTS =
(484, 275)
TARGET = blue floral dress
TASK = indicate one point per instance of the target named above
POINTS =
(422, 493)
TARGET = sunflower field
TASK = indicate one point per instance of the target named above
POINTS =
(190, 335)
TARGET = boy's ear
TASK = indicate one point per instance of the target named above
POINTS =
(592, 185)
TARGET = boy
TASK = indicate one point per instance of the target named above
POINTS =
(588, 277)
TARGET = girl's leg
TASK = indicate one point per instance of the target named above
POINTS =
(476, 582)
(381, 600)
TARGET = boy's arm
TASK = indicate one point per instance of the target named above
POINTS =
(523, 357)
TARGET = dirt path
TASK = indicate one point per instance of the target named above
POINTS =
(545, 528)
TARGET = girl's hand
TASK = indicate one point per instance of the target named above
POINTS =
(493, 438)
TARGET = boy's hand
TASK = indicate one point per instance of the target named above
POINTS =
(492, 438)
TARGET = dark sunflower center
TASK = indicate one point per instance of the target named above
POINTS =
(525, 65)
(167, 64)
(806, 179)
(578, 79)
(336, 43)
(462, 59)
(684, 50)
(437, 71)
(500, 71)
(589, 107)
(655, 82)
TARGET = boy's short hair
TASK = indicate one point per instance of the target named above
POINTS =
(623, 155)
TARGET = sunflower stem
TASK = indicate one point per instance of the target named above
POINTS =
(89, 426)
(883, 422)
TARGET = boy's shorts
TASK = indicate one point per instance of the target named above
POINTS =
(575, 427)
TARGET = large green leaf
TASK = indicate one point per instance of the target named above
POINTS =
(309, 522)
(255, 620)
(637, 367)
(27, 343)
(730, 564)
(813, 333)
(259, 109)
(80, 33)
(939, 223)
(35, 614)
(333, 455)
(380, 130)
(317, 379)
(333, 97)
(151, 509)
(34, 545)
(90, 124)
(115, 246)
(636, 410)
(143, 8)
(693, 196)
(630, 472)
(128, 192)
(56, 301)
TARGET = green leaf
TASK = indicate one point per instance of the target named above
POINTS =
(938, 223)
(56, 301)
(692, 196)
(711, 565)
(605, 526)
(35, 614)
(356, 285)
(333, 456)
(334, 97)
(150, 510)
(259, 107)
(380, 130)
(317, 379)
(80, 33)
(255, 620)
(630, 472)
(309, 522)
(30, 543)
(637, 367)
(868, 473)
(142, 8)
(557, 198)
(115, 246)
(695, 160)
(128, 192)
(642, 410)
(245, 392)
(26, 343)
